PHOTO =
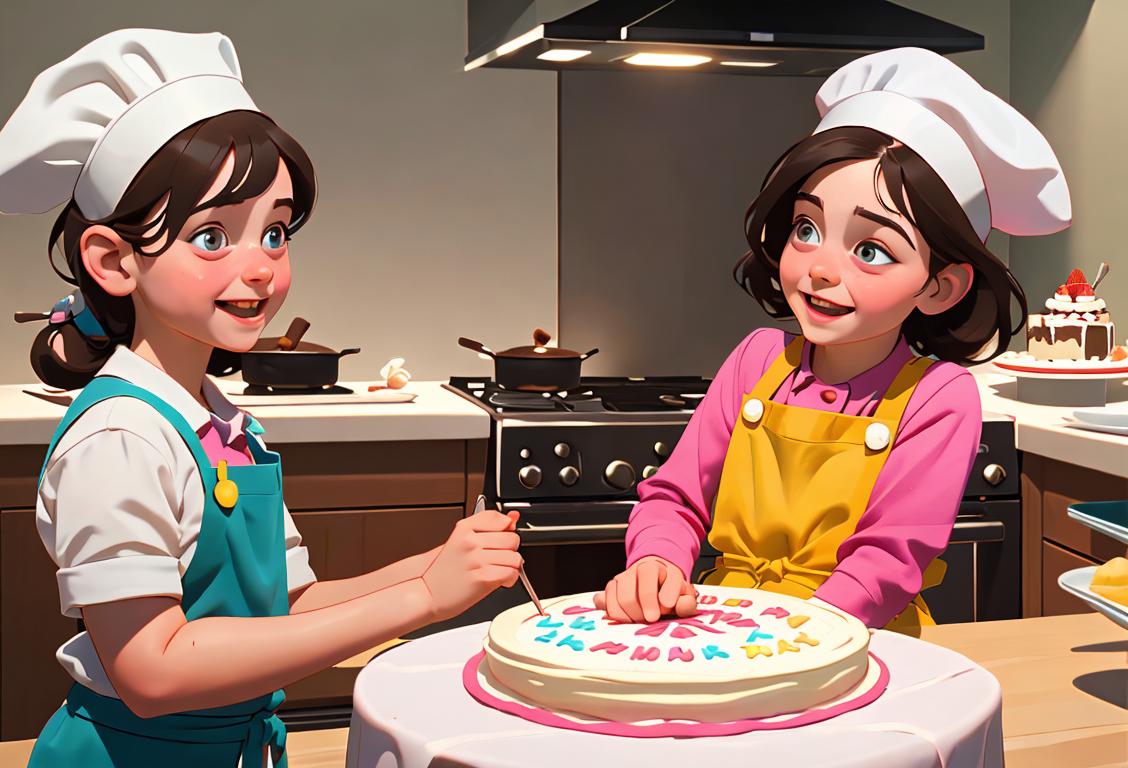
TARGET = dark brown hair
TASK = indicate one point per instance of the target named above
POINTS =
(957, 335)
(183, 170)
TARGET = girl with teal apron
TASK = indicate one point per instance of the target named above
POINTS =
(238, 569)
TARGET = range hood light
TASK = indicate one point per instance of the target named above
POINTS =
(563, 54)
(666, 60)
(749, 63)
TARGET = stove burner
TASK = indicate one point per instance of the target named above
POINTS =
(595, 395)
(335, 389)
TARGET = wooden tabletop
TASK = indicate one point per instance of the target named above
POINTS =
(1064, 680)
(1065, 686)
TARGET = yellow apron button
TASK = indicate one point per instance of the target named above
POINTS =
(226, 492)
(877, 437)
(753, 411)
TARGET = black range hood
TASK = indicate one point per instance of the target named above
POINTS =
(761, 37)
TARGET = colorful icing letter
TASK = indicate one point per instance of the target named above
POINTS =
(611, 648)
(758, 635)
(574, 609)
(682, 632)
(547, 638)
(582, 623)
(779, 613)
(707, 600)
(744, 623)
(645, 654)
(681, 655)
(653, 630)
(712, 651)
(548, 623)
(571, 642)
(802, 638)
(796, 621)
(785, 646)
(756, 650)
(734, 602)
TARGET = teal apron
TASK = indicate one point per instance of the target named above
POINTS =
(238, 569)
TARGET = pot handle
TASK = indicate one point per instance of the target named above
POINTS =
(349, 351)
(588, 354)
(477, 346)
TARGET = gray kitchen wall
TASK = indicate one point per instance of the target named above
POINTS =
(656, 171)
(437, 209)
(1068, 62)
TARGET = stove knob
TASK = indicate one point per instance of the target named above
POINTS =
(994, 474)
(569, 475)
(526, 453)
(530, 476)
(563, 450)
(649, 471)
(619, 474)
(661, 450)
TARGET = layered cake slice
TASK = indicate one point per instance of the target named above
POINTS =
(1077, 325)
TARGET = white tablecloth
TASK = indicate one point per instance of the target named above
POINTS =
(410, 710)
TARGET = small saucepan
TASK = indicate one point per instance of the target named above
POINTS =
(538, 368)
(286, 362)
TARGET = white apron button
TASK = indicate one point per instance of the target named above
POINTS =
(753, 411)
(877, 437)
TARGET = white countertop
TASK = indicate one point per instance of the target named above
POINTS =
(1043, 430)
(436, 414)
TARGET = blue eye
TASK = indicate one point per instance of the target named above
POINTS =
(873, 254)
(211, 239)
(806, 232)
(274, 238)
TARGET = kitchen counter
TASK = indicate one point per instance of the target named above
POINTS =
(1042, 429)
(436, 414)
(1063, 680)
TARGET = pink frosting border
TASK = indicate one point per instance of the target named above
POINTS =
(667, 729)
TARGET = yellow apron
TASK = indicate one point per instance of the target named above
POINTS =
(795, 484)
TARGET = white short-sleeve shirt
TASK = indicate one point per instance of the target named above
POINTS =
(121, 504)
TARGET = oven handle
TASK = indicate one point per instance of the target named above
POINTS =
(977, 532)
(533, 535)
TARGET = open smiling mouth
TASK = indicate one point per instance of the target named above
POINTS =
(246, 309)
(825, 307)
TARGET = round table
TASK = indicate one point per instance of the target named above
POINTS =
(411, 711)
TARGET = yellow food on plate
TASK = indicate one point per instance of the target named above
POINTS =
(1111, 580)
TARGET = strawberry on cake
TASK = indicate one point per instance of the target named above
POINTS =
(1077, 325)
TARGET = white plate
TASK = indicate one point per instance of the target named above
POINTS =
(1027, 366)
(1077, 582)
(1106, 428)
(1105, 417)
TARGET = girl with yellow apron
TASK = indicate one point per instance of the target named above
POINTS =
(871, 234)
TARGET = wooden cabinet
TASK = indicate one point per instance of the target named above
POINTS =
(359, 506)
(1052, 541)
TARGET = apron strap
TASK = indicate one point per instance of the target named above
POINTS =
(892, 405)
(785, 363)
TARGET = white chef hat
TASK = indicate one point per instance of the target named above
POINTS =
(999, 167)
(92, 121)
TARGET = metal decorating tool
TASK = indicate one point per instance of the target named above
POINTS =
(480, 505)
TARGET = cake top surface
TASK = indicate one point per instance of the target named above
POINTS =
(737, 633)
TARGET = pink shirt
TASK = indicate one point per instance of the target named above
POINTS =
(224, 440)
(914, 502)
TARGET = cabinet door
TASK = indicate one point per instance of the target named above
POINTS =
(32, 684)
(345, 543)
(1055, 600)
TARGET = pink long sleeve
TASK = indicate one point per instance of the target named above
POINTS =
(914, 501)
(674, 506)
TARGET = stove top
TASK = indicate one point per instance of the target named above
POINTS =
(596, 396)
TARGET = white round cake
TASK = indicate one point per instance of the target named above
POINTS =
(746, 654)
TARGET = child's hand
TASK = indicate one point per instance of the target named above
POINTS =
(646, 591)
(480, 556)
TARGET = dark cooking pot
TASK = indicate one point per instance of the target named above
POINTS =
(538, 368)
(306, 366)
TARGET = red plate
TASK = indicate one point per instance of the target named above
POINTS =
(1091, 369)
